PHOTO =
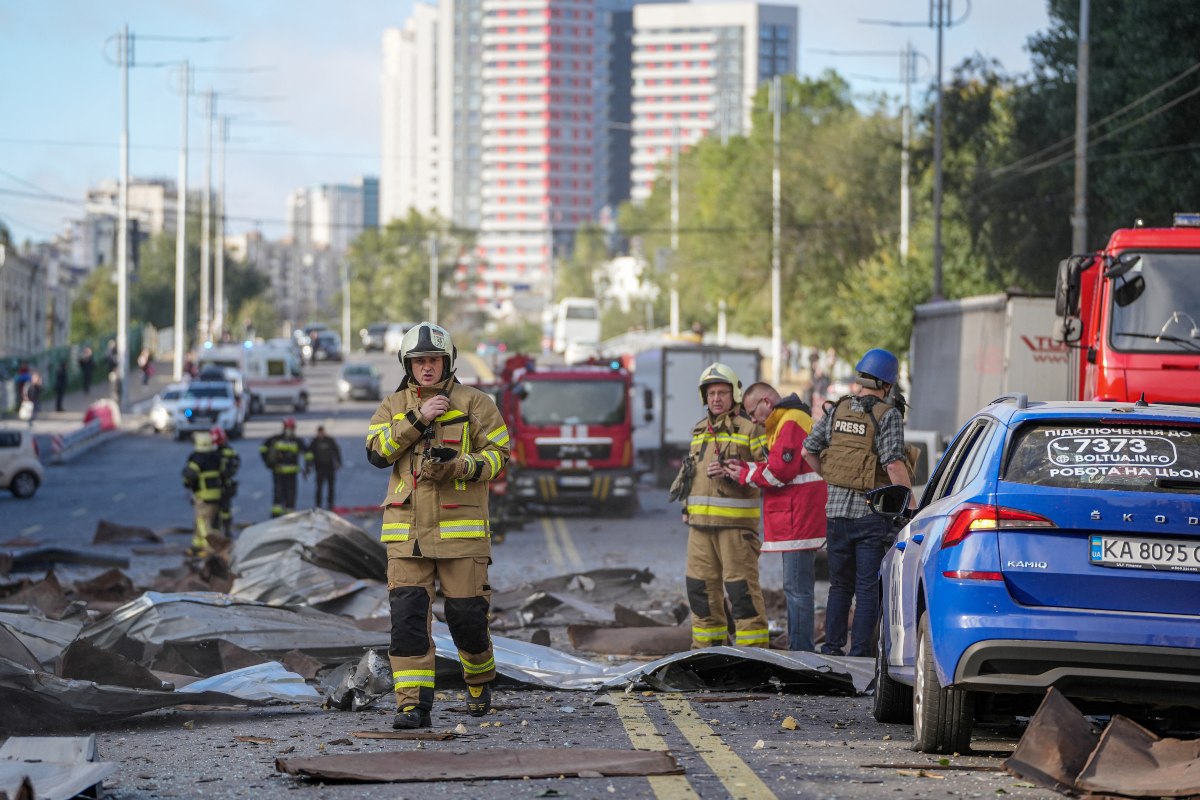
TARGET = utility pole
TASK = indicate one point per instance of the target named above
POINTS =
(205, 220)
(125, 57)
(674, 228)
(181, 228)
(1079, 218)
(346, 308)
(937, 159)
(219, 271)
(776, 268)
(907, 67)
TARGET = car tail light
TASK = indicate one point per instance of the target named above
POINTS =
(971, 518)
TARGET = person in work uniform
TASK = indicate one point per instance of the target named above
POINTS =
(231, 462)
(282, 453)
(443, 442)
(722, 518)
(858, 446)
(326, 458)
(794, 499)
(204, 478)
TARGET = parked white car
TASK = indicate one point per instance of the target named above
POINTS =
(163, 405)
(21, 469)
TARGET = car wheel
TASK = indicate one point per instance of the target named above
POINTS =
(23, 484)
(893, 700)
(942, 718)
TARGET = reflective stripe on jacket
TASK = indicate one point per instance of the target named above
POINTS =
(282, 454)
(440, 514)
(203, 476)
(794, 494)
(719, 502)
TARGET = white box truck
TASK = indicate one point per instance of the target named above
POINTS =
(966, 353)
(667, 400)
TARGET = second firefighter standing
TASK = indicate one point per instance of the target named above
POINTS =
(723, 518)
(231, 462)
(284, 455)
(442, 442)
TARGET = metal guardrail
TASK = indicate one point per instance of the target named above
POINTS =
(64, 446)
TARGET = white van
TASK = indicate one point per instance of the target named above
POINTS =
(576, 319)
(274, 378)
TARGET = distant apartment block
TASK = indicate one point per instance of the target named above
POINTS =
(332, 216)
(696, 69)
(304, 280)
(152, 210)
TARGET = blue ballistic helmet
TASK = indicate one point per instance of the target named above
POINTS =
(878, 364)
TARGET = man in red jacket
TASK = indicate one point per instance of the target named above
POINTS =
(794, 497)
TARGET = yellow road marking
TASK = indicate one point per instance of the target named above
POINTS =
(568, 544)
(739, 780)
(644, 736)
(552, 544)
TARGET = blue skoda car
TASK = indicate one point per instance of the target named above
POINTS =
(1057, 544)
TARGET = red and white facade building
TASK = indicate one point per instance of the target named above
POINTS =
(696, 69)
(539, 156)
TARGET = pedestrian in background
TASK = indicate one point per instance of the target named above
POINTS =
(794, 497)
(87, 365)
(145, 363)
(858, 446)
(722, 517)
(60, 384)
(326, 459)
(282, 454)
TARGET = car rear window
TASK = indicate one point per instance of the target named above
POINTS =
(1133, 457)
(10, 439)
(212, 390)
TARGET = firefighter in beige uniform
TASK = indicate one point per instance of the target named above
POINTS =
(443, 442)
(723, 517)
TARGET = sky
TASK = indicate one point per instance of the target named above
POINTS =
(300, 80)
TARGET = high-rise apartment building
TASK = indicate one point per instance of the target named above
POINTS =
(696, 69)
(332, 215)
(412, 140)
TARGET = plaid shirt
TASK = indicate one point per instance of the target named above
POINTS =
(889, 444)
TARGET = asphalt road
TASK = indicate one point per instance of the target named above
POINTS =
(738, 748)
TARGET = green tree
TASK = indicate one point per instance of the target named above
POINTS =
(574, 276)
(389, 270)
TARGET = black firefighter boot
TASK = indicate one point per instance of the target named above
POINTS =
(479, 699)
(411, 717)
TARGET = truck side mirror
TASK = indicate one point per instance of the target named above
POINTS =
(1066, 289)
(1129, 290)
(1116, 267)
(1068, 330)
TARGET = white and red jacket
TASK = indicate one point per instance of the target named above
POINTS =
(793, 493)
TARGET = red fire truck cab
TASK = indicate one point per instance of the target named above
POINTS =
(1130, 313)
(570, 431)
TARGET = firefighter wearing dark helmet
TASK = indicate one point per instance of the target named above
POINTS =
(723, 518)
(858, 446)
(443, 442)
(284, 455)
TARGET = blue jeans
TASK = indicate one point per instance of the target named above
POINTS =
(856, 548)
(798, 579)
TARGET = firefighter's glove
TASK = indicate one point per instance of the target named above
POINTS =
(440, 455)
(439, 464)
(468, 468)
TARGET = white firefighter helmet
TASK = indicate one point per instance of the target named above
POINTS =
(427, 339)
(203, 441)
(720, 373)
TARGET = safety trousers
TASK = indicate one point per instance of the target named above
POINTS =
(721, 562)
(206, 522)
(468, 600)
(283, 496)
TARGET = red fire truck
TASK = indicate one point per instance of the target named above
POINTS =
(1130, 314)
(570, 431)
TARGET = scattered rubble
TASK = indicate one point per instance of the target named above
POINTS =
(51, 767)
(497, 764)
(1062, 750)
